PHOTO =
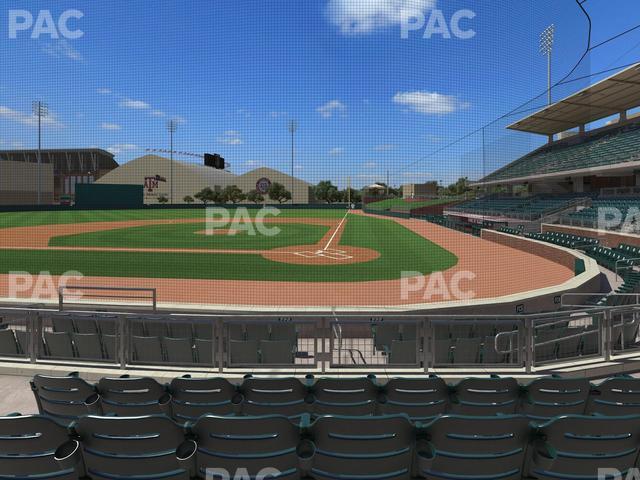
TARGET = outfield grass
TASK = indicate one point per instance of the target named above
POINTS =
(404, 205)
(186, 235)
(30, 219)
(400, 250)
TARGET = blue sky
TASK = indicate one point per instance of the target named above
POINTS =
(234, 72)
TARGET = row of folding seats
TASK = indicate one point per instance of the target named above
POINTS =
(187, 398)
(508, 447)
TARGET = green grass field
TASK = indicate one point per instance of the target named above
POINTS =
(400, 249)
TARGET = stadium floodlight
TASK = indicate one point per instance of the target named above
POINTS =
(40, 110)
(293, 127)
(172, 126)
(547, 38)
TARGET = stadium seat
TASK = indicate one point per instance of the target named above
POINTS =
(65, 397)
(548, 397)
(257, 332)
(362, 448)
(442, 353)
(155, 329)
(384, 334)
(62, 324)
(284, 331)
(181, 330)
(419, 398)
(276, 352)
(109, 346)
(467, 350)
(202, 331)
(489, 353)
(615, 396)
(244, 352)
(178, 350)
(58, 344)
(128, 396)
(485, 396)
(135, 448)
(204, 351)
(345, 396)
(88, 345)
(275, 396)
(403, 352)
(251, 443)
(22, 337)
(107, 326)
(28, 445)
(575, 447)
(194, 397)
(85, 325)
(462, 447)
(8, 343)
(147, 349)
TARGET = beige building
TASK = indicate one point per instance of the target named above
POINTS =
(420, 190)
(156, 174)
(19, 183)
(261, 179)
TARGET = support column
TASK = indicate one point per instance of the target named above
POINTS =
(578, 184)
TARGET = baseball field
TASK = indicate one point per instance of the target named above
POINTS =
(300, 245)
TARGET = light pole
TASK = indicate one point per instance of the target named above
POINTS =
(547, 38)
(172, 126)
(40, 110)
(293, 127)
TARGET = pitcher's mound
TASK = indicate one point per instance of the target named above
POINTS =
(312, 255)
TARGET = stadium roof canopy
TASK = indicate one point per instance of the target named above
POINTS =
(618, 93)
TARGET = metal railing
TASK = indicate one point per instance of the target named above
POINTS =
(315, 343)
(108, 297)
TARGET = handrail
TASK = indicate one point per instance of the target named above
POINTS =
(153, 297)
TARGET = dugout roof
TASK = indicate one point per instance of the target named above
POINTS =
(615, 94)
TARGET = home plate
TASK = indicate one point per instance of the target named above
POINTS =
(328, 253)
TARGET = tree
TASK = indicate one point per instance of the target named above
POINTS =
(232, 194)
(279, 193)
(188, 199)
(351, 195)
(163, 199)
(326, 191)
(206, 195)
(255, 197)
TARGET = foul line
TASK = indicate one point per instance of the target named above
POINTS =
(336, 232)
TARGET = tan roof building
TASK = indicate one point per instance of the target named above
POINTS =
(262, 178)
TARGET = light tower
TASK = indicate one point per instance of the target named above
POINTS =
(172, 126)
(40, 110)
(293, 127)
(547, 38)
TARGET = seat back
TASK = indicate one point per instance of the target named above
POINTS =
(345, 396)
(550, 397)
(363, 447)
(126, 447)
(274, 396)
(178, 350)
(88, 345)
(147, 349)
(615, 396)
(485, 396)
(8, 343)
(204, 351)
(416, 397)
(128, 396)
(384, 334)
(194, 397)
(253, 443)
(276, 352)
(65, 397)
(27, 447)
(403, 352)
(474, 447)
(577, 446)
(243, 352)
(59, 344)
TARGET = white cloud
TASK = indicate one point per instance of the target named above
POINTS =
(62, 48)
(134, 104)
(370, 165)
(29, 120)
(429, 103)
(158, 113)
(386, 147)
(251, 163)
(122, 147)
(279, 114)
(417, 175)
(110, 126)
(432, 138)
(336, 152)
(231, 137)
(356, 17)
(17, 144)
(104, 91)
(328, 109)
